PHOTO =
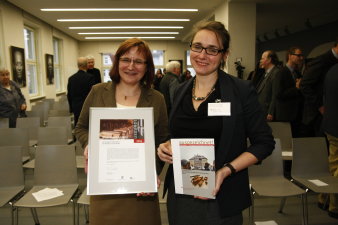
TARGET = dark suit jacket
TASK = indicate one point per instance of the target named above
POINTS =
(246, 121)
(96, 73)
(264, 91)
(312, 84)
(168, 83)
(286, 96)
(79, 85)
(330, 117)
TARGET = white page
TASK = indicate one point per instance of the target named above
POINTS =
(46, 194)
(270, 222)
(318, 182)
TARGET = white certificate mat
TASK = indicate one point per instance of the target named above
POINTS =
(121, 151)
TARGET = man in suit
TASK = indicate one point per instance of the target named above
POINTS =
(90, 69)
(268, 62)
(79, 85)
(169, 82)
(286, 93)
(311, 87)
(330, 127)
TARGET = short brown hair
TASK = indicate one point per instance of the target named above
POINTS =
(144, 49)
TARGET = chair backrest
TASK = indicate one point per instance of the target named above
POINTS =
(61, 105)
(55, 164)
(32, 123)
(61, 121)
(11, 171)
(282, 130)
(43, 107)
(15, 137)
(271, 166)
(55, 113)
(52, 136)
(36, 113)
(4, 123)
(309, 157)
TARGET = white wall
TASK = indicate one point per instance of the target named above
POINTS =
(172, 49)
(13, 20)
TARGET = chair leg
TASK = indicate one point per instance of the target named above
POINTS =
(35, 216)
(305, 215)
(78, 214)
(252, 209)
(73, 202)
(14, 214)
(86, 210)
(282, 204)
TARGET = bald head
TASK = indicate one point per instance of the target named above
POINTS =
(82, 63)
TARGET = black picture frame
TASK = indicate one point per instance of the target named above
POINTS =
(49, 59)
(18, 65)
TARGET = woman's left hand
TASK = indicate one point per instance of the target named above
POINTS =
(221, 174)
(23, 107)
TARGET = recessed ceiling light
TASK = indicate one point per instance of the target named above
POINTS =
(119, 9)
(100, 33)
(130, 27)
(120, 20)
(129, 37)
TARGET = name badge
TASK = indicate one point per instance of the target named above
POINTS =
(219, 109)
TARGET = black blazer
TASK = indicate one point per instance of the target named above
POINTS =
(286, 96)
(312, 84)
(79, 85)
(246, 121)
(96, 73)
(330, 117)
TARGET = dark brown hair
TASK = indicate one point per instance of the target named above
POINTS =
(143, 48)
(217, 28)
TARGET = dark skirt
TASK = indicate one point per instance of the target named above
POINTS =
(185, 209)
(124, 209)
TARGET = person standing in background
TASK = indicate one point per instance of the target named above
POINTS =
(311, 87)
(79, 85)
(268, 62)
(12, 101)
(92, 70)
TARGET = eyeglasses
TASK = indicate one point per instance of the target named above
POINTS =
(136, 62)
(298, 55)
(210, 50)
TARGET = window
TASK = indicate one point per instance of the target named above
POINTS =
(57, 65)
(31, 61)
(106, 65)
(2, 53)
(158, 57)
(188, 66)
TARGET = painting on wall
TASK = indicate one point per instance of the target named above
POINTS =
(49, 69)
(18, 65)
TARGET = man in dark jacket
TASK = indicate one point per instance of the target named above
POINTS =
(312, 89)
(79, 85)
(92, 70)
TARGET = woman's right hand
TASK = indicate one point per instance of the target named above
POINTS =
(164, 152)
(85, 154)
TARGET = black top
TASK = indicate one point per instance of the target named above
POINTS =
(96, 73)
(189, 123)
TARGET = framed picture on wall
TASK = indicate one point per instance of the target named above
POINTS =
(49, 69)
(18, 65)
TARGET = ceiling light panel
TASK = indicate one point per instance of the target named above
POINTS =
(121, 20)
(129, 27)
(117, 9)
(102, 33)
(101, 38)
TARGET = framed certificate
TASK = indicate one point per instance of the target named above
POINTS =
(121, 151)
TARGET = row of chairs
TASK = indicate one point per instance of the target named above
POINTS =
(55, 167)
(309, 164)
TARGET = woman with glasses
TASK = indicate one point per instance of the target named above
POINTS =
(132, 75)
(192, 117)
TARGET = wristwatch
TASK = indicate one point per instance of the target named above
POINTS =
(232, 169)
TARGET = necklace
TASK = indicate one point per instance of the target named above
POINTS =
(201, 98)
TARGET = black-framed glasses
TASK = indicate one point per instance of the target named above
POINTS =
(209, 50)
(298, 55)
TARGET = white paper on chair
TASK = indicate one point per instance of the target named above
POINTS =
(270, 222)
(318, 182)
(46, 194)
(285, 154)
